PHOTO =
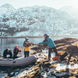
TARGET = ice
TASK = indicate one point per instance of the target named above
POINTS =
(64, 66)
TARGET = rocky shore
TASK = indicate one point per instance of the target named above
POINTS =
(44, 69)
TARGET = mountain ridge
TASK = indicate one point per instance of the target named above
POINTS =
(37, 21)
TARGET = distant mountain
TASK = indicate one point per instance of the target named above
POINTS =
(35, 20)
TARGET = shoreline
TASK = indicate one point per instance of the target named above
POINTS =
(10, 37)
(14, 37)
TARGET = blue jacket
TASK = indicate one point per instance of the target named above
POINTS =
(49, 42)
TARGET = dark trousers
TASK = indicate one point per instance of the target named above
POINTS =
(26, 54)
(15, 56)
(52, 50)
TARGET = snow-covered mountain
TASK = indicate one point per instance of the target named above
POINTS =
(35, 20)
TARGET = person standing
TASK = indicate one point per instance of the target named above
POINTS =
(51, 45)
(26, 45)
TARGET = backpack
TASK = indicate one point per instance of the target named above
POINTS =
(26, 44)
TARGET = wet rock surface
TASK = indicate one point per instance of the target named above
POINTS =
(67, 68)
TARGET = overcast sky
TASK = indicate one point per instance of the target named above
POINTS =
(50, 3)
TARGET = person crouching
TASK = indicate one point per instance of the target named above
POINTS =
(7, 52)
(16, 51)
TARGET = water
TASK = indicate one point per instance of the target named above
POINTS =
(10, 43)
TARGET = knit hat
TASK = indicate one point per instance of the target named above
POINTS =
(46, 35)
(26, 38)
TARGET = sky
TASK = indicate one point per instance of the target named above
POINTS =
(50, 3)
